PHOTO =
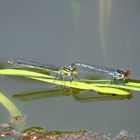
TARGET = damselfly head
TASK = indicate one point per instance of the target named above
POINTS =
(73, 70)
(70, 67)
(127, 73)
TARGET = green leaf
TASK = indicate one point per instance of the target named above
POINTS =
(84, 86)
(12, 109)
(73, 84)
(130, 85)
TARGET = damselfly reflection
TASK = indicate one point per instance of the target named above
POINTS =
(116, 74)
(62, 71)
(79, 95)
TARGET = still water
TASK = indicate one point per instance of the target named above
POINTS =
(62, 32)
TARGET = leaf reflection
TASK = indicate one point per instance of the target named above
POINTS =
(79, 95)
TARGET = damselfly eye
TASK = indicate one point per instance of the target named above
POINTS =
(127, 73)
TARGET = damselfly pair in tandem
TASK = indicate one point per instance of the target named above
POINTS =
(72, 70)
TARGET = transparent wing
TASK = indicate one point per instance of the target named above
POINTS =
(32, 64)
(90, 67)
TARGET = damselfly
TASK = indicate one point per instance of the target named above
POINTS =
(63, 71)
(116, 74)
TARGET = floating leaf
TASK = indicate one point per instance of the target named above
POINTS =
(73, 84)
(17, 72)
(130, 85)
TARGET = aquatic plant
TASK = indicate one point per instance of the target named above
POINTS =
(6, 129)
(103, 87)
(74, 84)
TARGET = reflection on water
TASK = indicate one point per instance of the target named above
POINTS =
(75, 5)
(105, 7)
(79, 95)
